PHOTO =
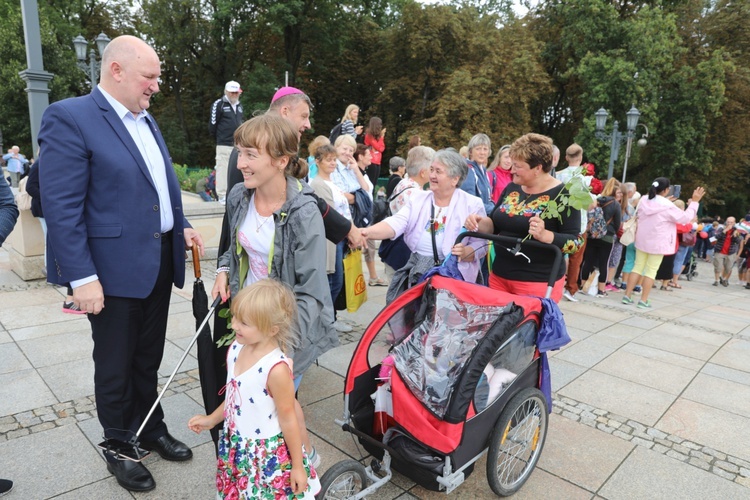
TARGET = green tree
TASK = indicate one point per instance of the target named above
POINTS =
(599, 56)
(725, 26)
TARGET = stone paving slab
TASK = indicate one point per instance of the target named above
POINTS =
(651, 373)
(564, 372)
(34, 315)
(641, 322)
(582, 321)
(79, 323)
(12, 359)
(610, 402)
(172, 354)
(24, 390)
(725, 395)
(671, 342)
(49, 463)
(666, 478)
(45, 295)
(106, 488)
(617, 335)
(713, 427)
(722, 372)
(734, 354)
(337, 360)
(318, 384)
(664, 356)
(581, 455)
(58, 348)
(586, 353)
(69, 380)
(619, 396)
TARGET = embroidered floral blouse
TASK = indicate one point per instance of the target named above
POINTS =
(511, 218)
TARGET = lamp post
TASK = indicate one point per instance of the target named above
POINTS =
(616, 138)
(93, 66)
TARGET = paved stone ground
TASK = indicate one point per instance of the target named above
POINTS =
(648, 404)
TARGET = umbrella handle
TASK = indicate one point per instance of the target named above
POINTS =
(196, 262)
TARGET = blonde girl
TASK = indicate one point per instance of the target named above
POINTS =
(260, 448)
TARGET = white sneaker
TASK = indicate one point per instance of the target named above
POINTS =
(222, 201)
(570, 297)
(342, 327)
(314, 458)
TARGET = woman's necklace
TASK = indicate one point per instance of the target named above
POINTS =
(262, 220)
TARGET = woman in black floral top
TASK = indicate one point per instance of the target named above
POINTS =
(517, 214)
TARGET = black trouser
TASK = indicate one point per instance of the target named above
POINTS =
(373, 172)
(596, 255)
(129, 336)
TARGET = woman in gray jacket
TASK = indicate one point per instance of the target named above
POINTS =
(277, 232)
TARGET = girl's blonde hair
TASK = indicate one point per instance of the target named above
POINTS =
(347, 113)
(624, 202)
(272, 134)
(267, 304)
(610, 187)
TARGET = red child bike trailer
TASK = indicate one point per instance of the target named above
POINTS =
(445, 373)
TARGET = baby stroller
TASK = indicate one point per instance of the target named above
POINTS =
(446, 372)
(691, 269)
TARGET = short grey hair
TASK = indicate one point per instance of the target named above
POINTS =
(395, 163)
(480, 140)
(454, 163)
(418, 159)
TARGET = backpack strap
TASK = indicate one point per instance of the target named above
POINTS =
(394, 195)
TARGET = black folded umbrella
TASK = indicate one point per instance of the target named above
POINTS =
(207, 370)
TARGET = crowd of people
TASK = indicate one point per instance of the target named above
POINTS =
(289, 224)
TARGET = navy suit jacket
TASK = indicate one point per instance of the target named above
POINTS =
(100, 203)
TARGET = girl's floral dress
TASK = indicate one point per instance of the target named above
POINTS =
(254, 461)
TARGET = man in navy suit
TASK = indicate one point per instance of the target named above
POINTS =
(117, 234)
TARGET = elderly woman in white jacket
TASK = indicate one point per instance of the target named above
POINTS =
(430, 222)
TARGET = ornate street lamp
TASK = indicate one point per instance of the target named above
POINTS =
(93, 66)
(616, 138)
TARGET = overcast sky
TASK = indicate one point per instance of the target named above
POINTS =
(520, 9)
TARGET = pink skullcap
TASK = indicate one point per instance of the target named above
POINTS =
(285, 91)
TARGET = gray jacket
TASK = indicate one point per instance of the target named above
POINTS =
(299, 260)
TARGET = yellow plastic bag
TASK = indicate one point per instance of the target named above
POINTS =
(354, 281)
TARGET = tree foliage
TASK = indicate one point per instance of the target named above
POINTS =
(444, 71)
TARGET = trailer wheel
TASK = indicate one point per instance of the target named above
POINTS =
(517, 441)
(343, 480)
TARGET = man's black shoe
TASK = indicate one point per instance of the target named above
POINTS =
(133, 476)
(169, 448)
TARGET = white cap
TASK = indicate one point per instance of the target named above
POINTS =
(232, 87)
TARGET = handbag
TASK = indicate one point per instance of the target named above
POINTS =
(688, 239)
(354, 281)
(23, 199)
(629, 228)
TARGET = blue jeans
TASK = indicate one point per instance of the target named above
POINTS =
(679, 259)
(336, 279)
